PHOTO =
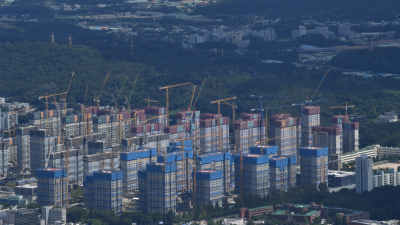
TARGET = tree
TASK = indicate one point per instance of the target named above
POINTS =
(305, 219)
(97, 222)
(250, 222)
(317, 220)
(323, 187)
(11, 185)
(76, 195)
(126, 221)
(170, 217)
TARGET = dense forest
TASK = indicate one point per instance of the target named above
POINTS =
(340, 10)
(381, 60)
(32, 66)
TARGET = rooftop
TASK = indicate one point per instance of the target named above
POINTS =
(280, 212)
(266, 206)
(311, 213)
(207, 171)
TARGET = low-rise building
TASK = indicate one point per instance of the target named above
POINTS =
(28, 191)
(247, 213)
(51, 214)
(15, 200)
(388, 117)
(340, 178)
(381, 178)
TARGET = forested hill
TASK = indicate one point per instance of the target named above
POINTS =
(321, 10)
(32, 69)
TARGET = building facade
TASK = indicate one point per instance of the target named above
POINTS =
(209, 187)
(282, 173)
(289, 130)
(255, 176)
(313, 165)
(161, 187)
(52, 187)
(103, 191)
(364, 178)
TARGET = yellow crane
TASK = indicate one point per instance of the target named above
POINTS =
(97, 98)
(219, 117)
(148, 100)
(64, 98)
(167, 89)
(47, 96)
(340, 106)
(191, 101)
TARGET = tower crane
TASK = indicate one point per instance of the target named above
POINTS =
(120, 90)
(64, 97)
(47, 96)
(219, 118)
(191, 101)
(148, 100)
(14, 121)
(261, 109)
(129, 104)
(167, 89)
(97, 98)
(340, 106)
(319, 85)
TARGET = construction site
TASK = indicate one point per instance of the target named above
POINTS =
(137, 153)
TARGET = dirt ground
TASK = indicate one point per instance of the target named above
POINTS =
(387, 165)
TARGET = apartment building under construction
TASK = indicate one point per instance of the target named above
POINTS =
(327, 137)
(103, 191)
(282, 173)
(350, 136)
(255, 174)
(160, 192)
(219, 161)
(311, 118)
(131, 163)
(184, 169)
(52, 186)
(214, 133)
(287, 131)
(247, 131)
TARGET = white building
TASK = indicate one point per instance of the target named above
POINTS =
(2, 101)
(50, 215)
(302, 31)
(381, 178)
(363, 174)
(388, 117)
(323, 31)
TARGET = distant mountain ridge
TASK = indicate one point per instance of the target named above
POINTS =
(321, 10)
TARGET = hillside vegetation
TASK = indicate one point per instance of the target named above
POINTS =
(340, 10)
